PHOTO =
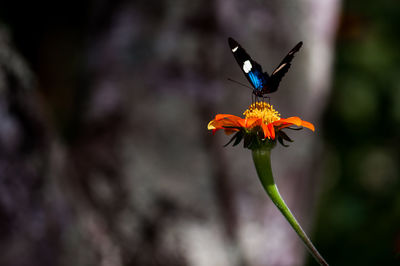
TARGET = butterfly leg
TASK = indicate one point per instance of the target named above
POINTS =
(254, 98)
(267, 97)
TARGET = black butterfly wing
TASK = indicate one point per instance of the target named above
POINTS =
(251, 69)
(281, 70)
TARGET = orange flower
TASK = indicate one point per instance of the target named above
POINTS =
(260, 120)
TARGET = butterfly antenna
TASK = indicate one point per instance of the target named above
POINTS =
(244, 85)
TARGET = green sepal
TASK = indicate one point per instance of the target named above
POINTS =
(230, 127)
(284, 136)
(237, 138)
(250, 139)
(281, 142)
(294, 128)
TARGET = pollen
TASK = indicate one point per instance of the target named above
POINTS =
(264, 111)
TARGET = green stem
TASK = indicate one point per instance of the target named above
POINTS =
(262, 161)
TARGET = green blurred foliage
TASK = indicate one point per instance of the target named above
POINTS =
(358, 219)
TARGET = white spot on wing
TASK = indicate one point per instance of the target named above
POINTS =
(234, 49)
(247, 66)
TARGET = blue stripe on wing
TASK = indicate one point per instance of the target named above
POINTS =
(257, 79)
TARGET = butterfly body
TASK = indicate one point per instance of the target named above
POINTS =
(262, 82)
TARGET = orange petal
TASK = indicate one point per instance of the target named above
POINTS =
(265, 129)
(230, 131)
(211, 126)
(226, 116)
(223, 120)
(308, 125)
(271, 130)
(251, 122)
(242, 122)
(287, 122)
(294, 120)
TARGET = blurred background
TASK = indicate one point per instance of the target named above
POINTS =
(105, 158)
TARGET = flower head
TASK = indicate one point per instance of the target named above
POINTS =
(262, 124)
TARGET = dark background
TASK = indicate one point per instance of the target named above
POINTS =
(104, 154)
(362, 135)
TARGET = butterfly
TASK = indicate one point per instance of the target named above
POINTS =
(261, 81)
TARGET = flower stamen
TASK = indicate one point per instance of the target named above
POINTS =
(262, 110)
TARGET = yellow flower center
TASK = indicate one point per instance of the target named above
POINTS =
(262, 110)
